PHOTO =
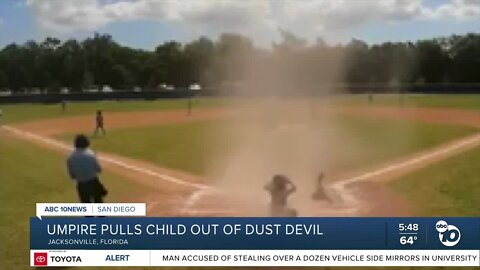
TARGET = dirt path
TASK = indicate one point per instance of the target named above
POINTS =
(185, 194)
(117, 120)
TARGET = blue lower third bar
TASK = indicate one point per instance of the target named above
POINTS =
(254, 233)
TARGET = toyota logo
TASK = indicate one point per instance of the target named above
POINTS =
(40, 259)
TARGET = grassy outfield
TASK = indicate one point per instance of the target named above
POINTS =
(30, 112)
(448, 188)
(190, 146)
(30, 174)
(457, 101)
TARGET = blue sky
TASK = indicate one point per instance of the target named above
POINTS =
(146, 23)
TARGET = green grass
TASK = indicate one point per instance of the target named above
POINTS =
(380, 140)
(30, 174)
(359, 142)
(448, 188)
(29, 112)
(456, 101)
(179, 146)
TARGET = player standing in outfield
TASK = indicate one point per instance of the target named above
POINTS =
(280, 188)
(64, 105)
(99, 123)
(189, 105)
(83, 167)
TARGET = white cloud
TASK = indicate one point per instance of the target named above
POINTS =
(258, 18)
(457, 9)
(330, 16)
(68, 15)
(72, 15)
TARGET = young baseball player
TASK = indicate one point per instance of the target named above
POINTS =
(280, 188)
(99, 123)
(189, 105)
(63, 103)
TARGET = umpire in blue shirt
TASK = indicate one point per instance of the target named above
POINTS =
(83, 167)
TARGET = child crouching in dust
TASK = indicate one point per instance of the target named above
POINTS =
(280, 188)
(320, 193)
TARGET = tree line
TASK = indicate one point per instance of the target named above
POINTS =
(233, 58)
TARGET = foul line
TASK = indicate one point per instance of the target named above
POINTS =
(341, 186)
(475, 139)
(113, 161)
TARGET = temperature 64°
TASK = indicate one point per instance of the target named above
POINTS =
(408, 240)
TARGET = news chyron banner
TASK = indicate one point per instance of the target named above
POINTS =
(156, 241)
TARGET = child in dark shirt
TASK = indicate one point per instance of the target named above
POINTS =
(99, 123)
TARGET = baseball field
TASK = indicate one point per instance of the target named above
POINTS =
(414, 155)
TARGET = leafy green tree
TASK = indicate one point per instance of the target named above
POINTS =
(231, 60)
(432, 60)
